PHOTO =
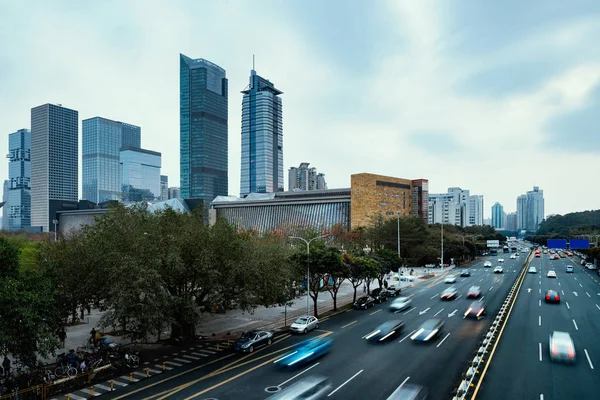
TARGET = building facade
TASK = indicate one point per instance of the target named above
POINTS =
(5, 189)
(164, 187)
(476, 210)
(462, 197)
(262, 138)
(498, 216)
(203, 129)
(511, 222)
(444, 209)
(522, 212)
(18, 206)
(305, 178)
(174, 193)
(54, 160)
(535, 209)
(140, 172)
(420, 199)
(102, 140)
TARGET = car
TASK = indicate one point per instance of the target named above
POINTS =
(551, 274)
(464, 273)
(562, 348)
(569, 269)
(516, 255)
(401, 303)
(305, 352)
(253, 339)
(379, 295)
(430, 329)
(409, 392)
(552, 297)
(364, 302)
(449, 294)
(498, 270)
(487, 264)
(393, 291)
(475, 310)
(513, 256)
(583, 262)
(474, 292)
(563, 255)
(450, 279)
(590, 266)
(310, 388)
(304, 324)
(532, 270)
(501, 260)
(385, 331)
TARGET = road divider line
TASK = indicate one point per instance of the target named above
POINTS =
(540, 303)
(375, 312)
(491, 288)
(580, 285)
(395, 393)
(567, 303)
(541, 396)
(405, 337)
(297, 375)
(588, 358)
(436, 314)
(343, 384)
(445, 337)
(540, 290)
(351, 323)
(459, 296)
(540, 320)
(410, 310)
(563, 293)
(540, 348)
(597, 306)
(575, 323)
(481, 299)
(558, 283)
(588, 295)
(434, 296)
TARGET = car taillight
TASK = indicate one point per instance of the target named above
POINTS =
(557, 298)
(554, 349)
(547, 297)
(571, 352)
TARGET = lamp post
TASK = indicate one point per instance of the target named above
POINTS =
(308, 242)
(55, 222)
(399, 212)
(442, 256)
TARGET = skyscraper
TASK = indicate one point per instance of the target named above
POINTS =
(476, 210)
(498, 216)
(262, 138)
(102, 140)
(54, 160)
(164, 187)
(462, 197)
(140, 174)
(535, 208)
(203, 129)
(18, 207)
(305, 178)
(522, 212)
(511, 222)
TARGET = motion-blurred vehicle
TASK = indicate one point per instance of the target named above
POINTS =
(253, 339)
(569, 269)
(487, 264)
(393, 290)
(364, 303)
(401, 303)
(551, 274)
(310, 388)
(498, 270)
(379, 295)
(465, 273)
(513, 256)
(409, 392)
(552, 297)
(304, 324)
(532, 270)
(305, 351)
(474, 292)
(583, 262)
(449, 294)
(385, 331)
(501, 260)
(450, 279)
(590, 266)
(475, 310)
(562, 348)
(430, 329)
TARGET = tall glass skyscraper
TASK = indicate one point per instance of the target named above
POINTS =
(102, 140)
(498, 216)
(203, 129)
(54, 160)
(19, 175)
(262, 138)
(140, 172)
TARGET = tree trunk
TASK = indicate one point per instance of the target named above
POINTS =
(334, 301)
(183, 328)
(315, 307)
(74, 313)
(354, 298)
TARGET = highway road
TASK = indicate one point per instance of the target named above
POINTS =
(520, 367)
(358, 369)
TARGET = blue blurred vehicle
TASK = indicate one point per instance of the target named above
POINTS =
(305, 352)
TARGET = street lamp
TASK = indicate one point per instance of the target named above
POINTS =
(55, 222)
(399, 213)
(308, 242)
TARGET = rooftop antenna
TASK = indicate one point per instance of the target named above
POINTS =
(252, 61)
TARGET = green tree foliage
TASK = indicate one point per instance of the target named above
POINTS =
(577, 223)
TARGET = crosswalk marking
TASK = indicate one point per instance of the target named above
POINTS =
(102, 387)
(208, 351)
(126, 378)
(138, 373)
(183, 360)
(192, 357)
(199, 354)
(160, 366)
(119, 383)
(75, 397)
(153, 371)
(89, 392)
(173, 363)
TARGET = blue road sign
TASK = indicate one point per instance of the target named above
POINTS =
(579, 244)
(557, 243)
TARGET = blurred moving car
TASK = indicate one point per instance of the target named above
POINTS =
(305, 351)
(311, 388)
(379, 295)
(364, 303)
(253, 339)
(474, 292)
(498, 270)
(385, 331)
(449, 294)
(569, 269)
(450, 279)
(475, 310)
(551, 274)
(552, 297)
(501, 260)
(532, 270)
(409, 392)
(304, 324)
(562, 347)
(393, 290)
(513, 256)
(401, 303)
(487, 264)
(465, 273)
(430, 329)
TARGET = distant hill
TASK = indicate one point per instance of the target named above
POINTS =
(584, 222)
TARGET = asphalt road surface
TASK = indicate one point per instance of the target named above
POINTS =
(521, 367)
(358, 369)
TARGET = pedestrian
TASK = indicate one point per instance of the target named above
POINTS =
(385, 284)
(62, 336)
(93, 336)
(6, 366)
(364, 288)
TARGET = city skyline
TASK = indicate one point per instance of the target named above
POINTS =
(475, 95)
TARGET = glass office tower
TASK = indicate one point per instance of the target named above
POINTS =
(19, 175)
(203, 129)
(262, 138)
(140, 171)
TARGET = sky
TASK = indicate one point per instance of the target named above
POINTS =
(491, 96)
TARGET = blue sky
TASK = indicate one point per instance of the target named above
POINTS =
(490, 96)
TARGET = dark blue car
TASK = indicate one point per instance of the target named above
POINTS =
(305, 352)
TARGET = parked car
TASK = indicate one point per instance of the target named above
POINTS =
(304, 324)
(393, 290)
(364, 303)
(253, 339)
(379, 295)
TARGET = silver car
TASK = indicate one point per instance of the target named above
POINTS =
(401, 303)
(561, 347)
(304, 324)
(309, 388)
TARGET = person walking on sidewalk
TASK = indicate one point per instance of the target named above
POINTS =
(6, 366)
(93, 336)
(62, 336)
(385, 284)
(364, 288)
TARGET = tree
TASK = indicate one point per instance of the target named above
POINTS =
(388, 260)
(337, 273)
(356, 275)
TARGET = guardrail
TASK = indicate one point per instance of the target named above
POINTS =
(472, 375)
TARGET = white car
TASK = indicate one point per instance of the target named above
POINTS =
(551, 274)
(498, 270)
(562, 348)
(487, 264)
(590, 266)
(304, 324)
(513, 256)
(501, 260)
(450, 279)
(401, 303)
(532, 270)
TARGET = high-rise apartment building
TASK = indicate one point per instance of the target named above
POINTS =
(462, 197)
(305, 178)
(511, 222)
(18, 206)
(262, 138)
(140, 172)
(498, 216)
(203, 129)
(164, 187)
(420, 199)
(475, 210)
(54, 160)
(530, 210)
(522, 212)
(102, 140)
(457, 207)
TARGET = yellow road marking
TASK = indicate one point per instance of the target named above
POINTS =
(375, 312)
(351, 323)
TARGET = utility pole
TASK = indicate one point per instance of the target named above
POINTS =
(442, 258)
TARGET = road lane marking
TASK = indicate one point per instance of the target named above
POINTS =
(575, 323)
(541, 396)
(410, 310)
(588, 294)
(558, 283)
(540, 347)
(351, 323)
(567, 304)
(540, 303)
(295, 376)
(580, 285)
(459, 296)
(404, 338)
(597, 306)
(445, 337)
(481, 299)
(436, 314)
(491, 287)
(375, 312)
(588, 358)
(540, 290)
(434, 296)
(399, 387)
(343, 384)
(575, 278)
(563, 293)
(540, 320)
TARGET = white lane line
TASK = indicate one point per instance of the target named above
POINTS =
(395, 394)
(434, 296)
(440, 343)
(459, 296)
(539, 303)
(481, 280)
(481, 299)
(597, 306)
(541, 396)
(491, 288)
(567, 304)
(540, 320)
(540, 290)
(297, 375)
(563, 293)
(575, 323)
(575, 278)
(405, 337)
(119, 383)
(558, 283)
(343, 384)
(540, 347)
(410, 310)
(588, 294)
(580, 285)
(436, 314)
(588, 357)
